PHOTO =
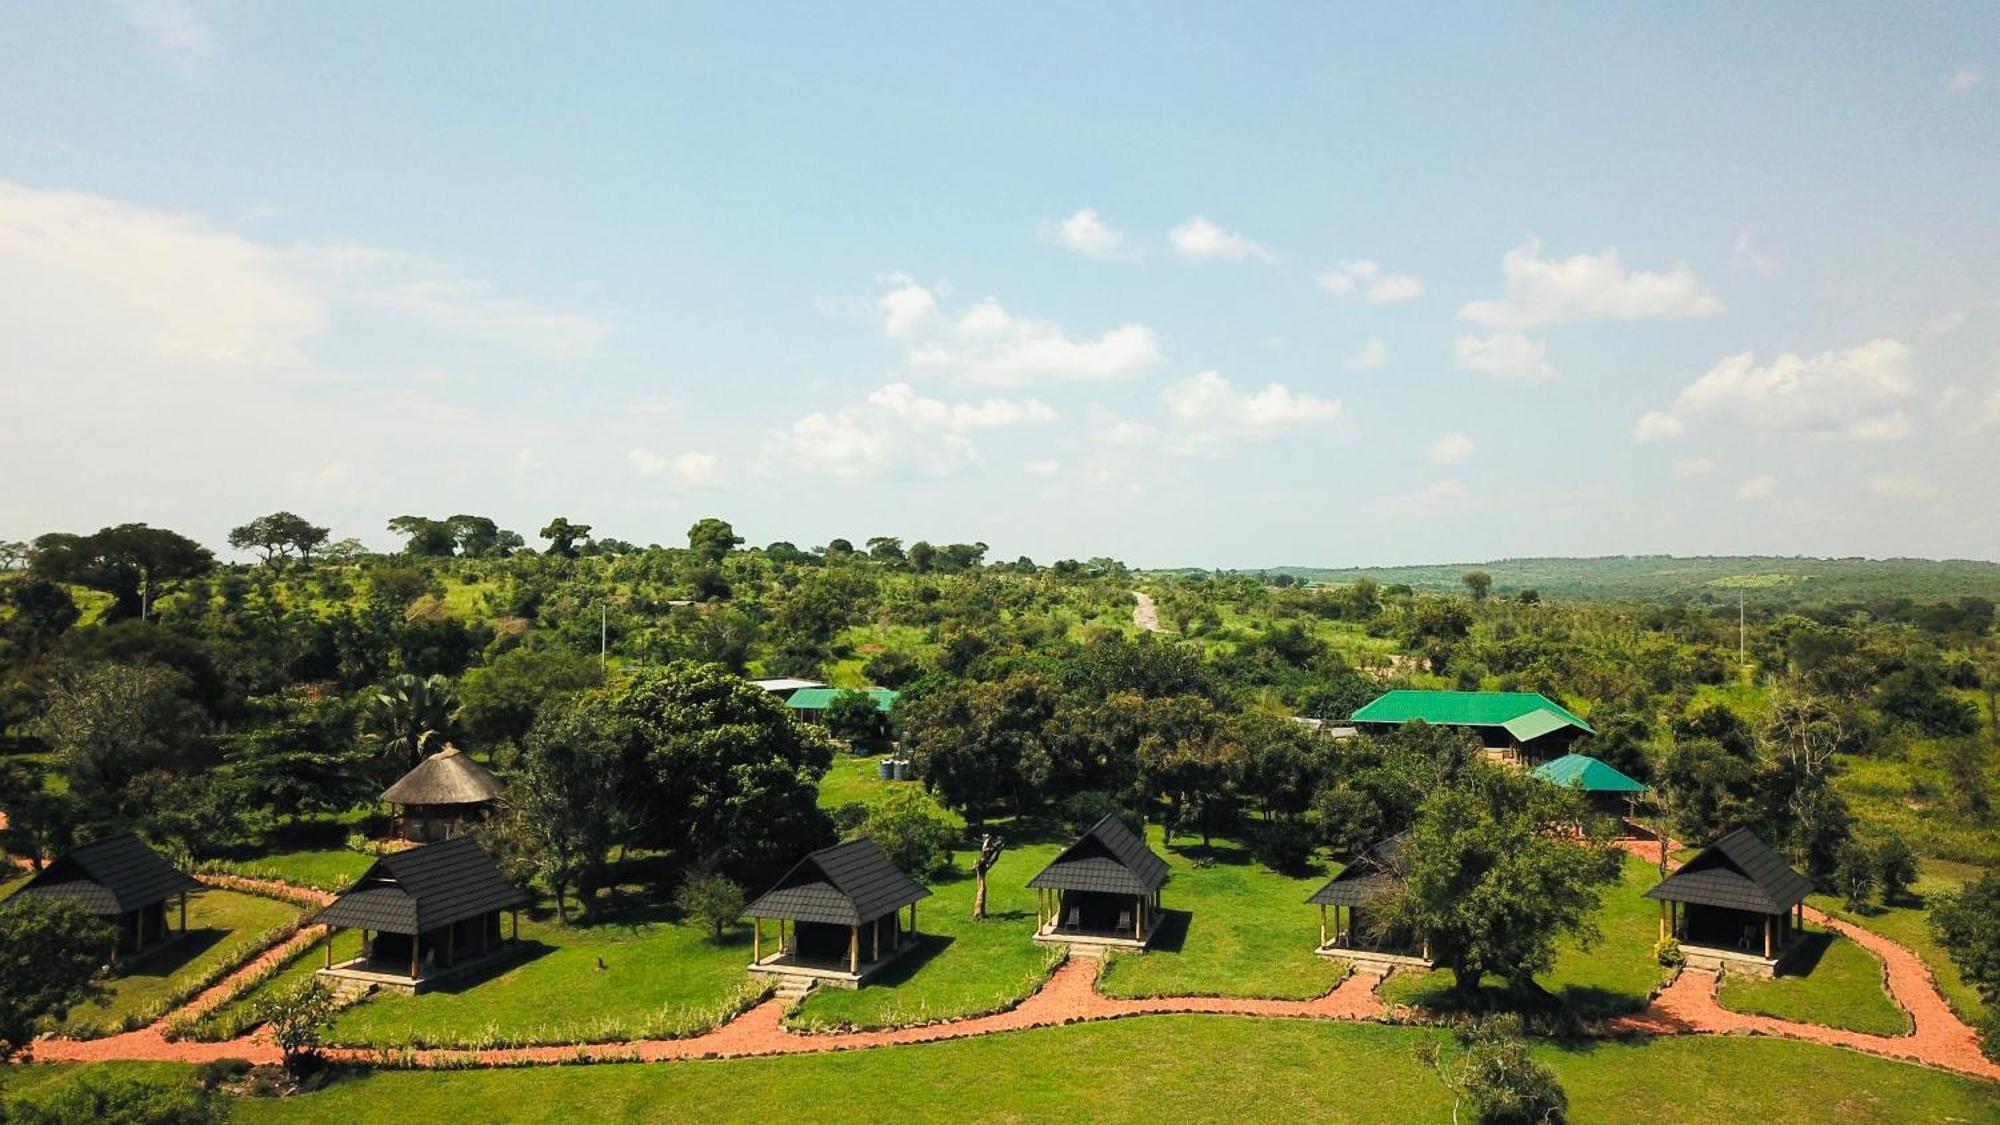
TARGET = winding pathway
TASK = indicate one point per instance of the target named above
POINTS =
(1146, 612)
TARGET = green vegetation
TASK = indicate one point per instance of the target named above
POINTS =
(1908, 925)
(328, 869)
(1232, 928)
(224, 928)
(1831, 981)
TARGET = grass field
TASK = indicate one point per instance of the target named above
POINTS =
(1907, 925)
(1233, 927)
(658, 978)
(961, 967)
(329, 869)
(1174, 1068)
(1832, 981)
(223, 927)
(1616, 974)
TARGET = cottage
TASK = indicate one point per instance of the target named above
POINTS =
(424, 914)
(1103, 891)
(844, 905)
(122, 881)
(1518, 727)
(446, 795)
(1356, 895)
(1605, 788)
(1736, 905)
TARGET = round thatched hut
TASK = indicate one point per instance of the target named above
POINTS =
(447, 795)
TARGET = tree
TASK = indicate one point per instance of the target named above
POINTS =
(1479, 583)
(50, 951)
(43, 610)
(1967, 923)
(1855, 875)
(913, 830)
(885, 549)
(1497, 1075)
(922, 556)
(568, 798)
(852, 715)
(478, 537)
(278, 535)
(133, 563)
(972, 741)
(109, 723)
(410, 717)
(499, 701)
(711, 540)
(990, 847)
(563, 536)
(1495, 875)
(1282, 764)
(13, 554)
(1895, 868)
(711, 899)
(296, 1019)
(301, 759)
(425, 537)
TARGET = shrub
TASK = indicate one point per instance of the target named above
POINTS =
(1284, 845)
(710, 898)
(1667, 952)
(1854, 875)
(1496, 1075)
(915, 832)
(298, 1019)
(109, 1097)
(1895, 868)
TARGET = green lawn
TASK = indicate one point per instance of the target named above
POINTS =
(658, 978)
(223, 927)
(853, 779)
(1616, 974)
(961, 967)
(1233, 927)
(237, 1015)
(1175, 1068)
(1907, 925)
(1832, 982)
(329, 869)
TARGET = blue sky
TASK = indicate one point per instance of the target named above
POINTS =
(1235, 286)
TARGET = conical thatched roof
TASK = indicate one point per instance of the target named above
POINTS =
(445, 778)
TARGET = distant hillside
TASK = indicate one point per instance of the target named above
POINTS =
(1761, 579)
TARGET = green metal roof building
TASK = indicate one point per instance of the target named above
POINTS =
(818, 698)
(1581, 771)
(1524, 727)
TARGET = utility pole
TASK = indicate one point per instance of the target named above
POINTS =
(1739, 625)
(603, 634)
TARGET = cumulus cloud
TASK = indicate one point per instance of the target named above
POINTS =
(1087, 234)
(895, 430)
(1452, 448)
(1756, 488)
(1369, 356)
(1587, 287)
(1964, 80)
(1853, 392)
(693, 469)
(1507, 356)
(1366, 280)
(1200, 240)
(1657, 425)
(1206, 414)
(987, 345)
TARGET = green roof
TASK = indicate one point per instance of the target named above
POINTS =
(1588, 774)
(817, 698)
(1525, 714)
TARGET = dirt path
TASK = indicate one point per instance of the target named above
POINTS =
(1146, 612)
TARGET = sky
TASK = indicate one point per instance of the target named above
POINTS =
(1225, 285)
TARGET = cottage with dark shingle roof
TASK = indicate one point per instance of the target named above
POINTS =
(1356, 896)
(1736, 905)
(1519, 727)
(423, 914)
(845, 905)
(122, 881)
(1103, 890)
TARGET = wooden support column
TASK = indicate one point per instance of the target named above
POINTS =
(184, 912)
(913, 919)
(756, 940)
(451, 945)
(854, 949)
(416, 944)
(517, 924)
(482, 933)
(1322, 925)
(875, 941)
(1767, 936)
(329, 947)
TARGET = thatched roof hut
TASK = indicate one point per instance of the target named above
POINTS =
(447, 793)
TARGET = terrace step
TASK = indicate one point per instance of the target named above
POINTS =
(794, 988)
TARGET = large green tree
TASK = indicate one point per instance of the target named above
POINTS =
(110, 723)
(500, 700)
(570, 798)
(278, 535)
(133, 563)
(711, 540)
(563, 536)
(50, 950)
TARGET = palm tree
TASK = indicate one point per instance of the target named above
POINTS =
(410, 716)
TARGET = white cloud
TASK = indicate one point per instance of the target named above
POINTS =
(172, 29)
(1693, 467)
(1206, 414)
(1369, 356)
(693, 469)
(1903, 487)
(1587, 287)
(896, 430)
(1507, 356)
(1087, 234)
(1452, 448)
(987, 345)
(1365, 279)
(1746, 256)
(1963, 80)
(1756, 488)
(1657, 425)
(1854, 392)
(1203, 241)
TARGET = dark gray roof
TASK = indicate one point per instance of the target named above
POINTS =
(845, 885)
(1739, 872)
(1373, 876)
(112, 877)
(1109, 859)
(410, 892)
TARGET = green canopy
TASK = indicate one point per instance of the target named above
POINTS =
(1588, 774)
(817, 699)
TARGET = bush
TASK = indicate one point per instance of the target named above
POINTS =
(1499, 1079)
(709, 898)
(1854, 875)
(1284, 845)
(1895, 868)
(1667, 952)
(298, 1019)
(109, 1097)
(914, 830)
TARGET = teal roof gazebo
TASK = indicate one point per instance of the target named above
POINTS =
(1581, 771)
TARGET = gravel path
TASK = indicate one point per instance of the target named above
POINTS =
(1146, 612)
